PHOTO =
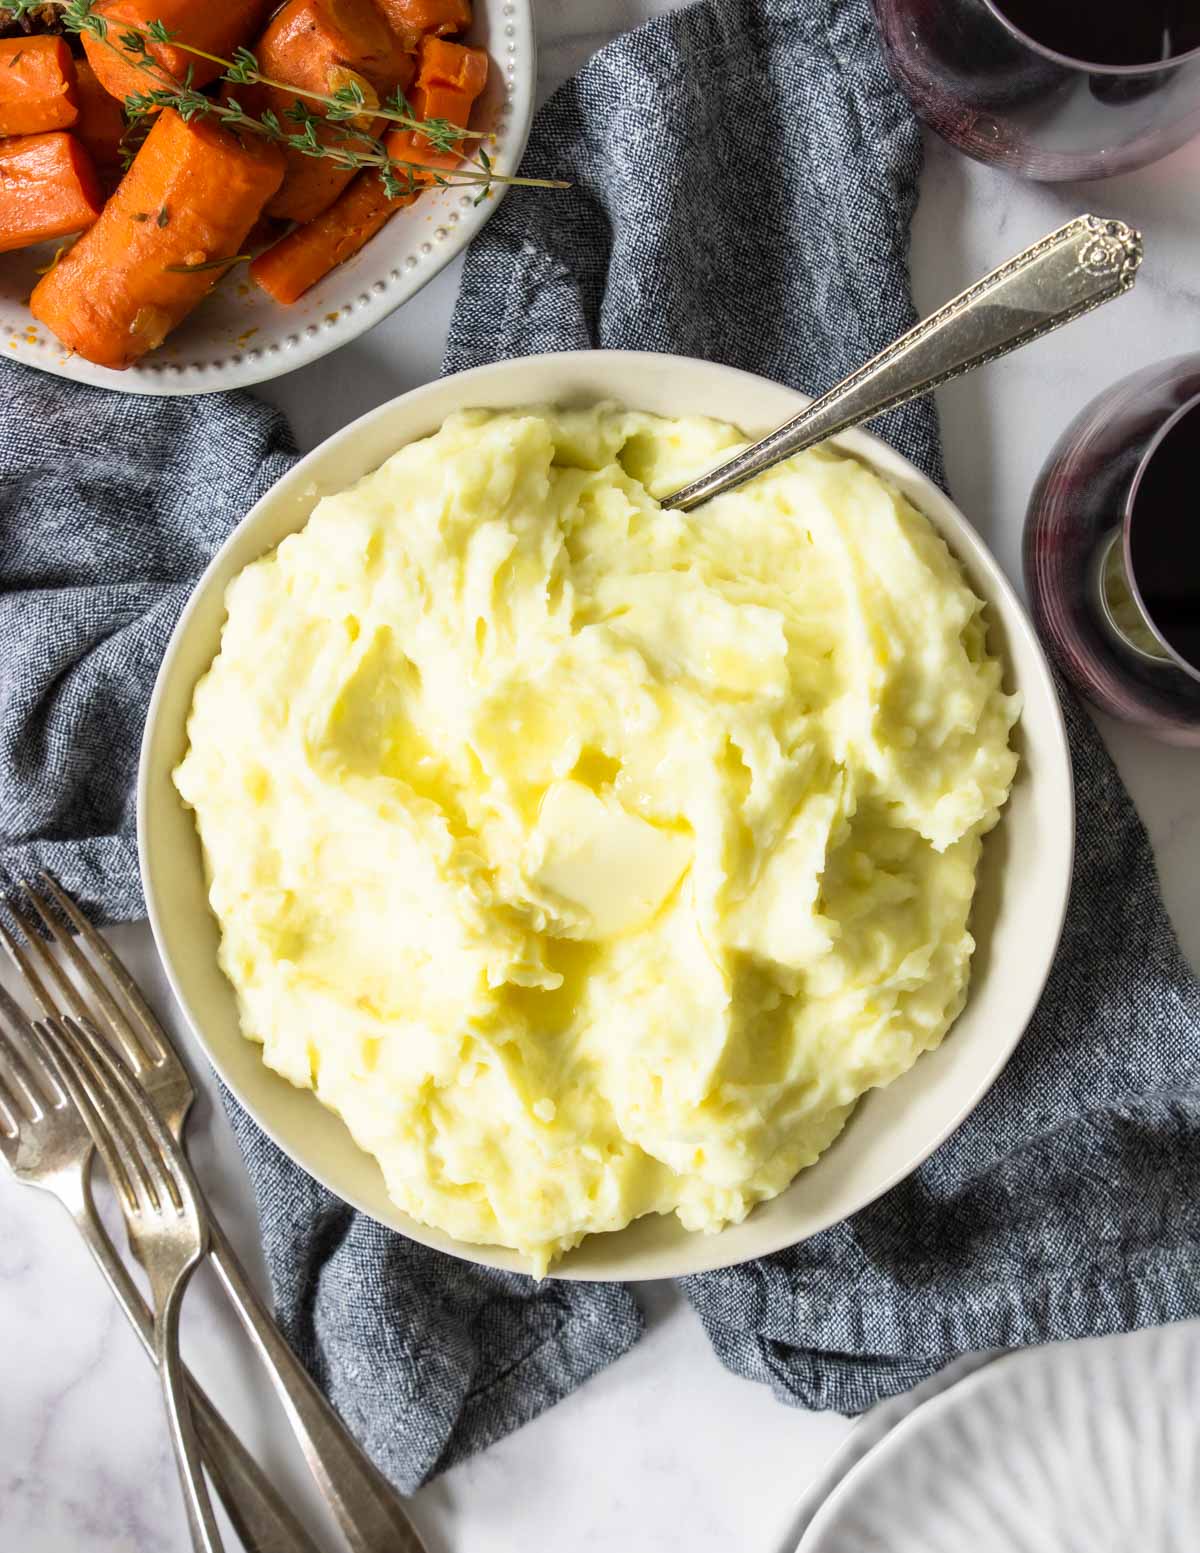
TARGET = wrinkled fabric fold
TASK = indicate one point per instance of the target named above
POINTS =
(111, 506)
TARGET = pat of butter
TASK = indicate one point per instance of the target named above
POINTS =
(612, 866)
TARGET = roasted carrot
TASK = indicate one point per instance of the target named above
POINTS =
(441, 63)
(101, 122)
(300, 259)
(410, 18)
(433, 99)
(313, 43)
(217, 26)
(48, 188)
(431, 102)
(187, 202)
(37, 86)
(324, 46)
(312, 183)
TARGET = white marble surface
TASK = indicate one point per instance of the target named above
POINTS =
(664, 1449)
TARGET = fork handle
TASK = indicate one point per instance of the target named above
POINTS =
(202, 1523)
(260, 1516)
(365, 1504)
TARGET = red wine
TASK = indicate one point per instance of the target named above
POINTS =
(1164, 537)
(1109, 32)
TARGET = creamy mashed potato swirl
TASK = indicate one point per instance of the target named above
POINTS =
(592, 860)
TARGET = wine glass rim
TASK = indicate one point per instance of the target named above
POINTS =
(1090, 66)
(1152, 447)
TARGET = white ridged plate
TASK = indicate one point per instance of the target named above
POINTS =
(1089, 1447)
(239, 335)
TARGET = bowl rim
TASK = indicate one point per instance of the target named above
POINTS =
(705, 1253)
(513, 47)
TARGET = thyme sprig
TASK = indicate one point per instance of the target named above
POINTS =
(337, 133)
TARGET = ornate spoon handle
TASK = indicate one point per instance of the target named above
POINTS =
(1081, 265)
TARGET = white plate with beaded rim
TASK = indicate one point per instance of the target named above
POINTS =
(1082, 1447)
(238, 335)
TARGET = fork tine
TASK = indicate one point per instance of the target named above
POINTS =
(83, 968)
(33, 982)
(36, 1079)
(10, 1114)
(122, 1159)
(156, 1043)
(36, 947)
(165, 1152)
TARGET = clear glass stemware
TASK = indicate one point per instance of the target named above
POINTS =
(1004, 98)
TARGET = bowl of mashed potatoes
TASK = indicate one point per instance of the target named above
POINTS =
(586, 888)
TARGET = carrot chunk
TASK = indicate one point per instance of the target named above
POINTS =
(189, 199)
(312, 183)
(217, 26)
(324, 46)
(409, 18)
(37, 86)
(425, 161)
(299, 260)
(48, 188)
(452, 64)
(432, 98)
(101, 122)
(313, 43)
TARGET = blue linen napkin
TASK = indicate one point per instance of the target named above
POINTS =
(744, 174)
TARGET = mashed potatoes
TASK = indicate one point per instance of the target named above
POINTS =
(592, 860)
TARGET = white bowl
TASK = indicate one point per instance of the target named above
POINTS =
(239, 335)
(1023, 882)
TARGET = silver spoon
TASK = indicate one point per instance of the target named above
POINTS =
(1067, 273)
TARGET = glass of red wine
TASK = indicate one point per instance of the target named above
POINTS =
(1112, 551)
(1051, 89)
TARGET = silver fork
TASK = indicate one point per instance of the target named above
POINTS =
(166, 1229)
(46, 1142)
(366, 1506)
